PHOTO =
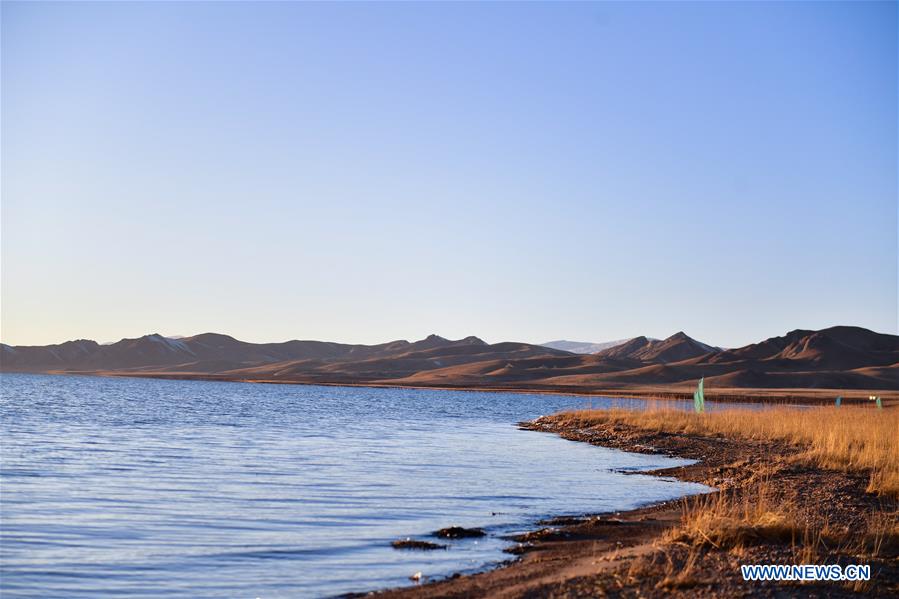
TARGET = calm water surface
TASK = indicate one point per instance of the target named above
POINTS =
(140, 487)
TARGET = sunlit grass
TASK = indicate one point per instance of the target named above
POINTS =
(855, 439)
(744, 520)
(728, 520)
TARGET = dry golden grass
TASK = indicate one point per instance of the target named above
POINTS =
(847, 438)
(881, 536)
(726, 520)
(674, 574)
(761, 511)
(760, 518)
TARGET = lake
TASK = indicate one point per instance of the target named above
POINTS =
(143, 487)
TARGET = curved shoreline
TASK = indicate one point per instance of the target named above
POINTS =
(597, 555)
(535, 555)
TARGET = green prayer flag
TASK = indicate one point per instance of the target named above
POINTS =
(699, 397)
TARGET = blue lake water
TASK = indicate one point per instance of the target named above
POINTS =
(141, 487)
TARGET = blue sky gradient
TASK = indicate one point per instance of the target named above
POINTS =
(366, 172)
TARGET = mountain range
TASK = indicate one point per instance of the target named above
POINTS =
(841, 357)
(583, 347)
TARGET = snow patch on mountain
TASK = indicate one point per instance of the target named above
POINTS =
(585, 347)
(174, 345)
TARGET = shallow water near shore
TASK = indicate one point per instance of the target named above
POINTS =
(142, 487)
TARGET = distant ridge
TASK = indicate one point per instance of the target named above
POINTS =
(841, 357)
(675, 348)
(216, 353)
(583, 347)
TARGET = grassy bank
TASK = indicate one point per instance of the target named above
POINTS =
(850, 439)
(791, 502)
(794, 486)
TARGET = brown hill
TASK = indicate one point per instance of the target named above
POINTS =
(38, 358)
(838, 357)
(837, 346)
(627, 350)
(205, 351)
(675, 348)
(213, 353)
(418, 358)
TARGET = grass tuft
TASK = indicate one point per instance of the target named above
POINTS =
(730, 520)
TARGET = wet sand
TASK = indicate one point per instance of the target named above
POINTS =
(628, 554)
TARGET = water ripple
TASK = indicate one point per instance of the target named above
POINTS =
(134, 487)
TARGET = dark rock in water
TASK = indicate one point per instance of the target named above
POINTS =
(457, 532)
(544, 534)
(519, 549)
(564, 521)
(412, 544)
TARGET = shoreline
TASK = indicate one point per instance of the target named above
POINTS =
(631, 553)
(662, 393)
(638, 553)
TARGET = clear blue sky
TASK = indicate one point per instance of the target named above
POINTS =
(366, 172)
